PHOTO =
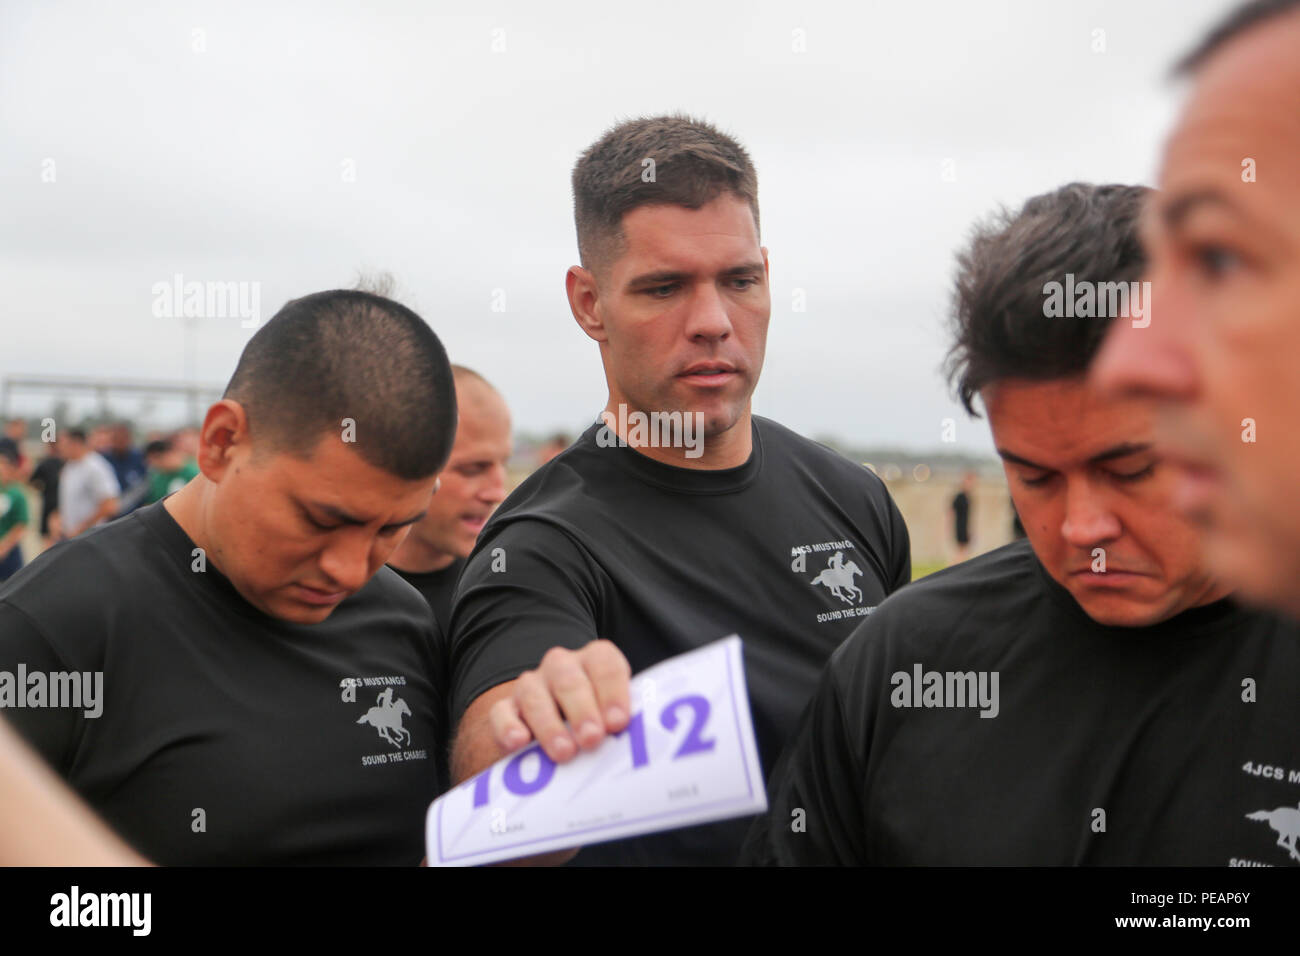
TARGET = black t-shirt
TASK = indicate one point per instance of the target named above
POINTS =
(961, 507)
(227, 736)
(438, 588)
(1142, 731)
(788, 550)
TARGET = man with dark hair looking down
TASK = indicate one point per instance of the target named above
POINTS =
(253, 686)
(1090, 696)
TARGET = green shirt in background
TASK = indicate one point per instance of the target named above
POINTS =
(163, 483)
(13, 508)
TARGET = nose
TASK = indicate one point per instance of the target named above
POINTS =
(346, 559)
(708, 318)
(1089, 521)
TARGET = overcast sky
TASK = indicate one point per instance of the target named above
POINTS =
(293, 145)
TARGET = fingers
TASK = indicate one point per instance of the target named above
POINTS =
(508, 729)
(537, 705)
(569, 703)
(610, 674)
(567, 675)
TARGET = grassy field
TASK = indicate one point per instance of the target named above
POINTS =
(920, 570)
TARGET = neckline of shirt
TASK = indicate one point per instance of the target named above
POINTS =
(691, 481)
(427, 576)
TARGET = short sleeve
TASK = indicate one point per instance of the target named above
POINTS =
(527, 587)
(900, 543)
(49, 730)
(108, 484)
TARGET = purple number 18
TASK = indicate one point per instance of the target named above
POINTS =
(513, 776)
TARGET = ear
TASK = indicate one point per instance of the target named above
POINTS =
(224, 434)
(584, 301)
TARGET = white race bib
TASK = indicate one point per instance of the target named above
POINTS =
(686, 757)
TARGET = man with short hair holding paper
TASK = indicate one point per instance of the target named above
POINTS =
(682, 517)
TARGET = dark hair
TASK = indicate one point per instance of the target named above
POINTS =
(159, 446)
(1241, 19)
(77, 433)
(10, 455)
(348, 354)
(1000, 326)
(694, 164)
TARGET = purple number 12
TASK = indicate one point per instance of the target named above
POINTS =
(512, 775)
(694, 742)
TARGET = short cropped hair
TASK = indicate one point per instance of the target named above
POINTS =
(693, 164)
(999, 322)
(348, 354)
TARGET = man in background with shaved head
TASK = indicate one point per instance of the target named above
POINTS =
(469, 489)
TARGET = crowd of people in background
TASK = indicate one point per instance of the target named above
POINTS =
(84, 477)
(87, 476)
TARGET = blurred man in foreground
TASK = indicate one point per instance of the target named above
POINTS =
(42, 823)
(1219, 353)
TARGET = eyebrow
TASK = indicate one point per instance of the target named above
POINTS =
(342, 517)
(1176, 212)
(677, 275)
(1118, 451)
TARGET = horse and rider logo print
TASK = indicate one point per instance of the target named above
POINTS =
(386, 717)
(838, 577)
(1285, 821)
